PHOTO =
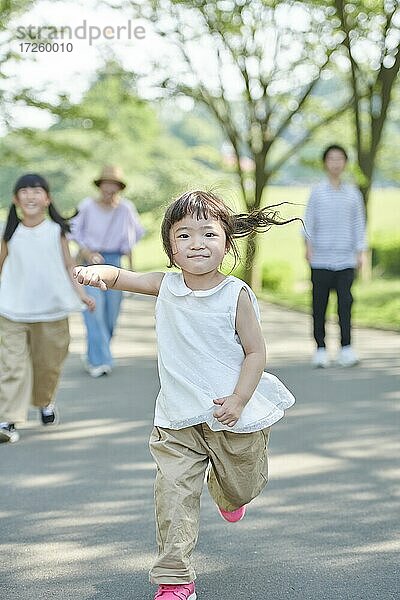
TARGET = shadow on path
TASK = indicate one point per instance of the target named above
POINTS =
(76, 511)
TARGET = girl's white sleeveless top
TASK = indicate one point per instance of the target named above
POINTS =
(200, 357)
(34, 284)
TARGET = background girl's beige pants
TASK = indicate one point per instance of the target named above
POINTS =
(31, 357)
(238, 472)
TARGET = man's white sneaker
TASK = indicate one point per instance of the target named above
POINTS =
(100, 370)
(347, 357)
(320, 358)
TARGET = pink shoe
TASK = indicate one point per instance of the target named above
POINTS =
(234, 515)
(181, 591)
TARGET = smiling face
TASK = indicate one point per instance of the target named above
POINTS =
(198, 245)
(33, 201)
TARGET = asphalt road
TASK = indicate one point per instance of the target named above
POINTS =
(76, 504)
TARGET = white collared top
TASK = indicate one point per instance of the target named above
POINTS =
(35, 285)
(200, 357)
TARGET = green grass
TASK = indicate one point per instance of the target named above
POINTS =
(149, 254)
(376, 302)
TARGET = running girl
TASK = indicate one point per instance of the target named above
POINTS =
(216, 404)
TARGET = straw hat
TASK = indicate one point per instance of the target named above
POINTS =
(111, 173)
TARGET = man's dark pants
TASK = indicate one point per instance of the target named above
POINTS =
(323, 281)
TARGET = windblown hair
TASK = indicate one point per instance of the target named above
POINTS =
(13, 220)
(203, 205)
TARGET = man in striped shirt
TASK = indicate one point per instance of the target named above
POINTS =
(335, 247)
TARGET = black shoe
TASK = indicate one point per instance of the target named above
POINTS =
(48, 415)
(8, 433)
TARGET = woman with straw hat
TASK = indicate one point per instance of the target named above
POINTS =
(105, 228)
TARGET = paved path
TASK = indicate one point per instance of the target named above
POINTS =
(76, 502)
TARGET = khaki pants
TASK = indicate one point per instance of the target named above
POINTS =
(31, 357)
(238, 471)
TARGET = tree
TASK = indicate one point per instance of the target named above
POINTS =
(372, 43)
(109, 124)
(9, 9)
(264, 61)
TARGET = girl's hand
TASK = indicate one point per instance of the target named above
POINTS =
(89, 276)
(231, 408)
(89, 301)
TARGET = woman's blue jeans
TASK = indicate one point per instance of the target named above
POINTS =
(100, 323)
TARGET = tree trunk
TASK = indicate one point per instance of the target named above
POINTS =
(366, 161)
(252, 272)
(365, 190)
(250, 275)
(365, 273)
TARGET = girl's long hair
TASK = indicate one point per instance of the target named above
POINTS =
(206, 204)
(13, 221)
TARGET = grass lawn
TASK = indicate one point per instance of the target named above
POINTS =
(376, 302)
(281, 255)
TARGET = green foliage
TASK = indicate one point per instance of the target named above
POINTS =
(268, 106)
(111, 124)
(11, 8)
(8, 10)
(371, 43)
(277, 276)
(386, 255)
(195, 127)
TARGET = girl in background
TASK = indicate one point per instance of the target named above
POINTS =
(216, 404)
(36, 296)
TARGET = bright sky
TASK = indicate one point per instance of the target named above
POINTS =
(72, 72)
(52, 72)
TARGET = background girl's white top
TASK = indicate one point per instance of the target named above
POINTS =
(35, 285)
(200, 357)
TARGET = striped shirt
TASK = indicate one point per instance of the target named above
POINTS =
(335, 226)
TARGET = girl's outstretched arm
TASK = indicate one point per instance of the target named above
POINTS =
(249, 331)
(108, 277)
